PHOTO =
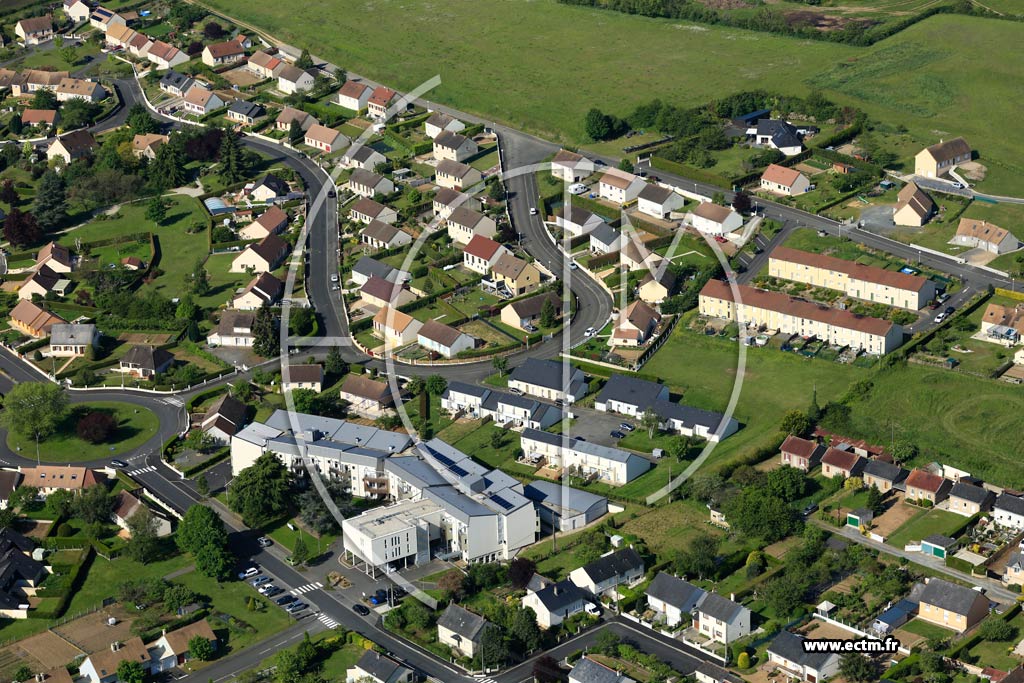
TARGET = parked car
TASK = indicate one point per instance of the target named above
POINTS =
(248, 573)
(297, 607)
(950, 310)
(810, 509)
(517, 392)
(264, 542)
(616, 434)
(259, 581)
(626, 426)
(573, 266)
(940, 317)
(361, 610)
(334, 278)
(285, 599)
(942, 298)
(332, 194)
(274, 590)
(958, 186)
(266, 588)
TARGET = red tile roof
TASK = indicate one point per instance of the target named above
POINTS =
(890, 278)
(926, 481)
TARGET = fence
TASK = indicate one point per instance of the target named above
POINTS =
(856, 631)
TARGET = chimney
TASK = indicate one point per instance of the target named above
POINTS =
(163, 632)
(115, 646)
(555, 589)
(732, 596)
(40, 677)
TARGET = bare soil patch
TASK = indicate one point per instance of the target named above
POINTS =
(50, 649)
(91, 632)
(241, 77)
(156, 339)
(895, 516)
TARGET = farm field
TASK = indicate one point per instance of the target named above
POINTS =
(909, 78)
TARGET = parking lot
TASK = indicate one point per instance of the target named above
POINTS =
(596, 426)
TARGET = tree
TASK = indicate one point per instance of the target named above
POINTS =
(796, 422)
(202, 533)
(678, 446)
(626, 164)
(230, 157)
(156, 210)
(756, 513)
(140, 121)
(743, 661)
(300, 322)
(523, 630)
(520, 571)
(22, 496)
(21, 229)
(96, 426)
(741, 202)
(167, 170)
(213, 31)
(548, 314)
(706, 487)
(8, 194)
(177, 596)
(857, 668)
(130, 671)
(874, 501)
(197, 281)
(650, 421)
(68, 54)
(15, 125)
(94, 505)
(495, 189)
(304, 61)
(903, 451)
(607, 643)
(415, 386)
(546, 670)
(202, 485)
(44, 99)
(787, 483)
(78, 112)
(996, 629)
(261, 492)
(493, 649)
(701, 558)
(334, 364)
(51, 205)
(500, 363)
(34, 409)
(436, 385)
(265, 339)
(416, 614)
(295, 132)
(200, 648)
(300, 553)
(853, 484)
(597, 125)
(452, 583)
(23, 673)
(59, 503)
(783, 594)
(144, 543)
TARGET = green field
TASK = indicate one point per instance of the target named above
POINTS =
(135, 427)
(912, 78)
(922, 526)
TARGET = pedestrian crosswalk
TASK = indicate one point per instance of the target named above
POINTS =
(142, 470)
(326, 620)
(308, 587)
(173, 401)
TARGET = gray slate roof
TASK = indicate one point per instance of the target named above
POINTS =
(618, 563)
(546, 373)
(66, 334)
(790, 646)
(632, 390)
(974, 494)
(554, 494)
(885, 470)
(949, 596)
(461, 621)
(720, 608)
(381, 667)
(605, 234)
(1012, 504)
(588, 670)
(558, 596)
(674, 591)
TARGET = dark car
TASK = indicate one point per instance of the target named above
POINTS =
(616, 434)
(950, 310)
(361, 610)
(285, 599)
(272, 592)
(810, 509)
(332, 194)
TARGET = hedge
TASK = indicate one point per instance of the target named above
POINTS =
(78, 573)
(203, 396)
(218, 457)
(690, 172)
(409, 123)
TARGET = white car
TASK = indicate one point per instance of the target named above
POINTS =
(334, 278)
(533, 211)
(590, 332)
(577, 188)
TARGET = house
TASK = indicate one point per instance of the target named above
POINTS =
(139, 44)
(1003, 324)
(444, 339)
(464, 223)
(481, 253)
(673, 598)
(634, 325)
(604, 239)
(1013, 574)
(132, 263)
(787, 652)
(634, 255)
(455, 175)
(264, 65)
(31, 80)
(176, 84)
(224, 418)
(368, 397)
(368, 184)
(925, 486)
(856, 280)
(291, 79)
(77, 11)
(395, 328)
(941, 158)
(362, 156)
(380, 99)
(325, 139)
(34, 30)
(40, 117)
(43, 282)
(354, 95)
(101, 666)
(219, 54)
(525, 313)
(968, 500)
(563, 508)
(289, 114)
(262, 257)
(439, 122)
(165, 56)
(632, 396)
(303, 377)
(146, 145)
(800, 453)
(50, 478)
(714, 219)
(549, 379)
(454, 147)
(20, 573)
(170, 650)
(577, 221)
(54, 256)
(460, 629)
(145, 361)
(514, 275)
(606, 464)
(379, 292)
(270, 222)
(836, 462)
(913, 207)
(657, 201)
(80, 88)
(126, 506)
(367, 267)
(380, 235)
(69, 340)
(571, 167)
(268, 188)
(884, 476)
(951, 606)
(721, 620)
(586, 670)
(71, 146)
(895, 616)
(556, 602)
(784, 181)
(706, 672)
(198, 100)
(619, 186)
(32, 320)
(777, 134)
(604, 575)
(656, 286)
(976, 234)
(509, 410)
(1008, 511)
(262, 290)
(374, 667)
(103, 19)
(368, 210)
(234, 330)
(445, 201)
(244, 112)
(779, 311)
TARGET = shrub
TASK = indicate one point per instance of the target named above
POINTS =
(65, 530)
(743, 661)
(96, 427)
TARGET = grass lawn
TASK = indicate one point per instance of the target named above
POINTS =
(997, 654)
(286, 538)
(932, 522)
(927, 629)
(135, 426)
(478, 444)
(223, 283)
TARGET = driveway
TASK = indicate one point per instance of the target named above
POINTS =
(878, 218)
(595, 426)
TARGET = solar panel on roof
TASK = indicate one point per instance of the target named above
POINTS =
(505, 505)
